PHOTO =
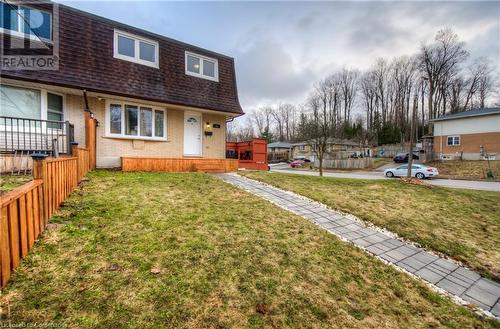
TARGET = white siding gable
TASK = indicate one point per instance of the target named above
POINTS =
(473, 125)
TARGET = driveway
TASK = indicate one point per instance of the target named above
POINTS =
(452, 183)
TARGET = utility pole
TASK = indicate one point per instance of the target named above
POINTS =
(412, 130)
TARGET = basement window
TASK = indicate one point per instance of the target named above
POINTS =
(202, 66)
(135, 121)
(133, 48)
(453, 140)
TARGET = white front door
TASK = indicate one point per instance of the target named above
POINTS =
(192, 134)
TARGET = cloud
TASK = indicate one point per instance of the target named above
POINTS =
(267, 72)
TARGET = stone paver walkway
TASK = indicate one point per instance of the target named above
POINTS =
(454, 279)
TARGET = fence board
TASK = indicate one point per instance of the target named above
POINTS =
(14, 234)
(23, 225)
(179, 164)
(346, 163)
(32, 234)
(25, 211)
(36, 212)
(4, 247)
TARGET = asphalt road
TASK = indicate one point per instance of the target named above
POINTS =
(452, 183)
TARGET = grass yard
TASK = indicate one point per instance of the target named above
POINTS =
(145, 250)
(467, 169)
(379, 162)
(464, 224)
(10, 182)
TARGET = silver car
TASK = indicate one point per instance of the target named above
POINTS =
(417, 170)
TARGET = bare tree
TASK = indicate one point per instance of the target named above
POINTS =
(438, 61)
(317, 128)
(239, 130)
(348, 87)
(368, 90)
(282, 116)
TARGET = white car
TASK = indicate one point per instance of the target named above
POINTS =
(417, 170)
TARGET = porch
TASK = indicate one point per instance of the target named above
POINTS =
(22, 137)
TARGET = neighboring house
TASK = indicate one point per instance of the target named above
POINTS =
(336, 149)
(278, 151)
(468, 135)
(152, 96)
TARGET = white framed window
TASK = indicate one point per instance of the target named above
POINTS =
(136, 49)
(26, 22)
(202, 66)
(31, 103)
(135, 121)
(453, 140)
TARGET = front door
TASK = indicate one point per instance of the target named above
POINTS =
(192, 134)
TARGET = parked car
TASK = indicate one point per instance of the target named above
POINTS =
(297, 163)
(417, 170)
(403, 157)
(302, 158)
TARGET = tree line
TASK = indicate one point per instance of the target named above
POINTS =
(391, 102)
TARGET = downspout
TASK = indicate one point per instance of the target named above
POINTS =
(441, 140)
(86, 99)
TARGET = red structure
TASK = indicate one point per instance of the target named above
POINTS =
(250, 154)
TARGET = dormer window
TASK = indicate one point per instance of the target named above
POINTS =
(202, 66)
(133, 48)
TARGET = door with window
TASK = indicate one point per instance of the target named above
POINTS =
(192, 134)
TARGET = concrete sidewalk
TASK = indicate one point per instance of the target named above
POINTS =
(451, 183)
(456, 280)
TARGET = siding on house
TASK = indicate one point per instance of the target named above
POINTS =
(110, 150)
(472, 125)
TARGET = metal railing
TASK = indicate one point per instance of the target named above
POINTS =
(34, 135)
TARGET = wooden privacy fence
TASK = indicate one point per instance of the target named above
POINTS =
(84, 163)
(347, 163)
(25, 211)
(179, 165)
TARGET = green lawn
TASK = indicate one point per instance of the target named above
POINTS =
(145, 250)
(10, 182)
(463, 224)
(468, 169)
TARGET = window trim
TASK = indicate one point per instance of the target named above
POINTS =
(453, 139)
(44, 105)
(201, 75)
(47, 92)
(44, 109)
(122, 135)
(137, 39)
(20, 26)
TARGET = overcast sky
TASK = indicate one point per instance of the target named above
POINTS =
(282, 48)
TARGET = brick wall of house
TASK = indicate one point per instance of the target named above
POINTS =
(469, 145)
(109, 150)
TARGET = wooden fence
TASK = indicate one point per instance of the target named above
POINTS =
(84, 162)
(179, 164)
(25, 211)
(347, 163)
